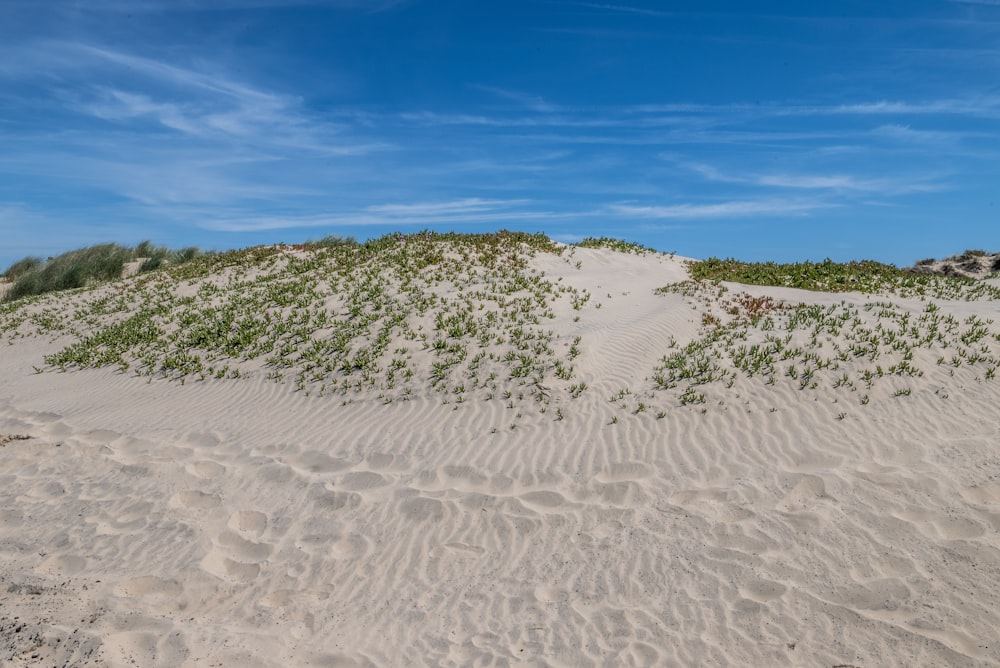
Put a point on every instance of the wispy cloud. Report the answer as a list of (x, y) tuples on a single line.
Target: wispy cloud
[(457, 207), (909, 135), (984, 105), (731, 209), (464, 212), (473, 211), (976, 106), (836, 182), (624, 9), (528, 101), (200, 101)]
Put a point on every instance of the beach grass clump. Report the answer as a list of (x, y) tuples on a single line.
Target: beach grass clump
[(22, 267), (866, 276), (616, 245), (155, 257), (86, 266), (331, 241), (103, 262)]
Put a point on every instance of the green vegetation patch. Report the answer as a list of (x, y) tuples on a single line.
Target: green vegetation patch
[(865, 276), (616, 245), (454, 316), (86, 266), (851, 347)]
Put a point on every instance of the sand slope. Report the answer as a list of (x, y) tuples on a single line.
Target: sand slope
[(240, 522)]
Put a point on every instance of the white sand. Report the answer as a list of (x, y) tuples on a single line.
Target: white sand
[(238, 523)]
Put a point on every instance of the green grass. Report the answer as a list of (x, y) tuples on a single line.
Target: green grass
[(87, 266), (850, 347), (865, 276), (616, 245), (331, 241), (22, 267), (457, 316)]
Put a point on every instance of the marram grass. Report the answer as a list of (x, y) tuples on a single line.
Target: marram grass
[(86, 266)]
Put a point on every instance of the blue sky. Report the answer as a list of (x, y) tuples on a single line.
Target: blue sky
[(760, 130)]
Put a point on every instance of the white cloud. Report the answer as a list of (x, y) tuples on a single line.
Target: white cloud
[(732, 209), (368, 218), (462, 206), (838, 182), (526, 100), (625, 9)]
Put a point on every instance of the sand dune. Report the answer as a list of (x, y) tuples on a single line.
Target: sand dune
[(746, 519)]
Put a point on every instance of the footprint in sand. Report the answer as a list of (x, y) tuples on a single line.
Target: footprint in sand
[(129, 520), (248, 522), (195, 500), (381, 461), (317, 463), (332, 502), (641, 654), (807, 491), (238, 552), (763, 591), (101, 436), (228, 569), (362, 480), (349, 547), (421, 509), (551, 595), (316, 543), (242, 549), (205, 469), (135, 471)]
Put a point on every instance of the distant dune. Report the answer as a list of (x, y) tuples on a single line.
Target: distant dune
[(497, 450), (971, 263)]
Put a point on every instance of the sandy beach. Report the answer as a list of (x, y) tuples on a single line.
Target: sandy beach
[(602, 473)]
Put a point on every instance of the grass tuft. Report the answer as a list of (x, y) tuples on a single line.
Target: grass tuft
[(86, 266), (616, 245)]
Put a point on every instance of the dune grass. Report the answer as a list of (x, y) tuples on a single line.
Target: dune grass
[(22, 267), (865, 276), (615, 244), (86, 266), (456, 316)]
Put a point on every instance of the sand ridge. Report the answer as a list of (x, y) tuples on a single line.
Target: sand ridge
[(238, 521)]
